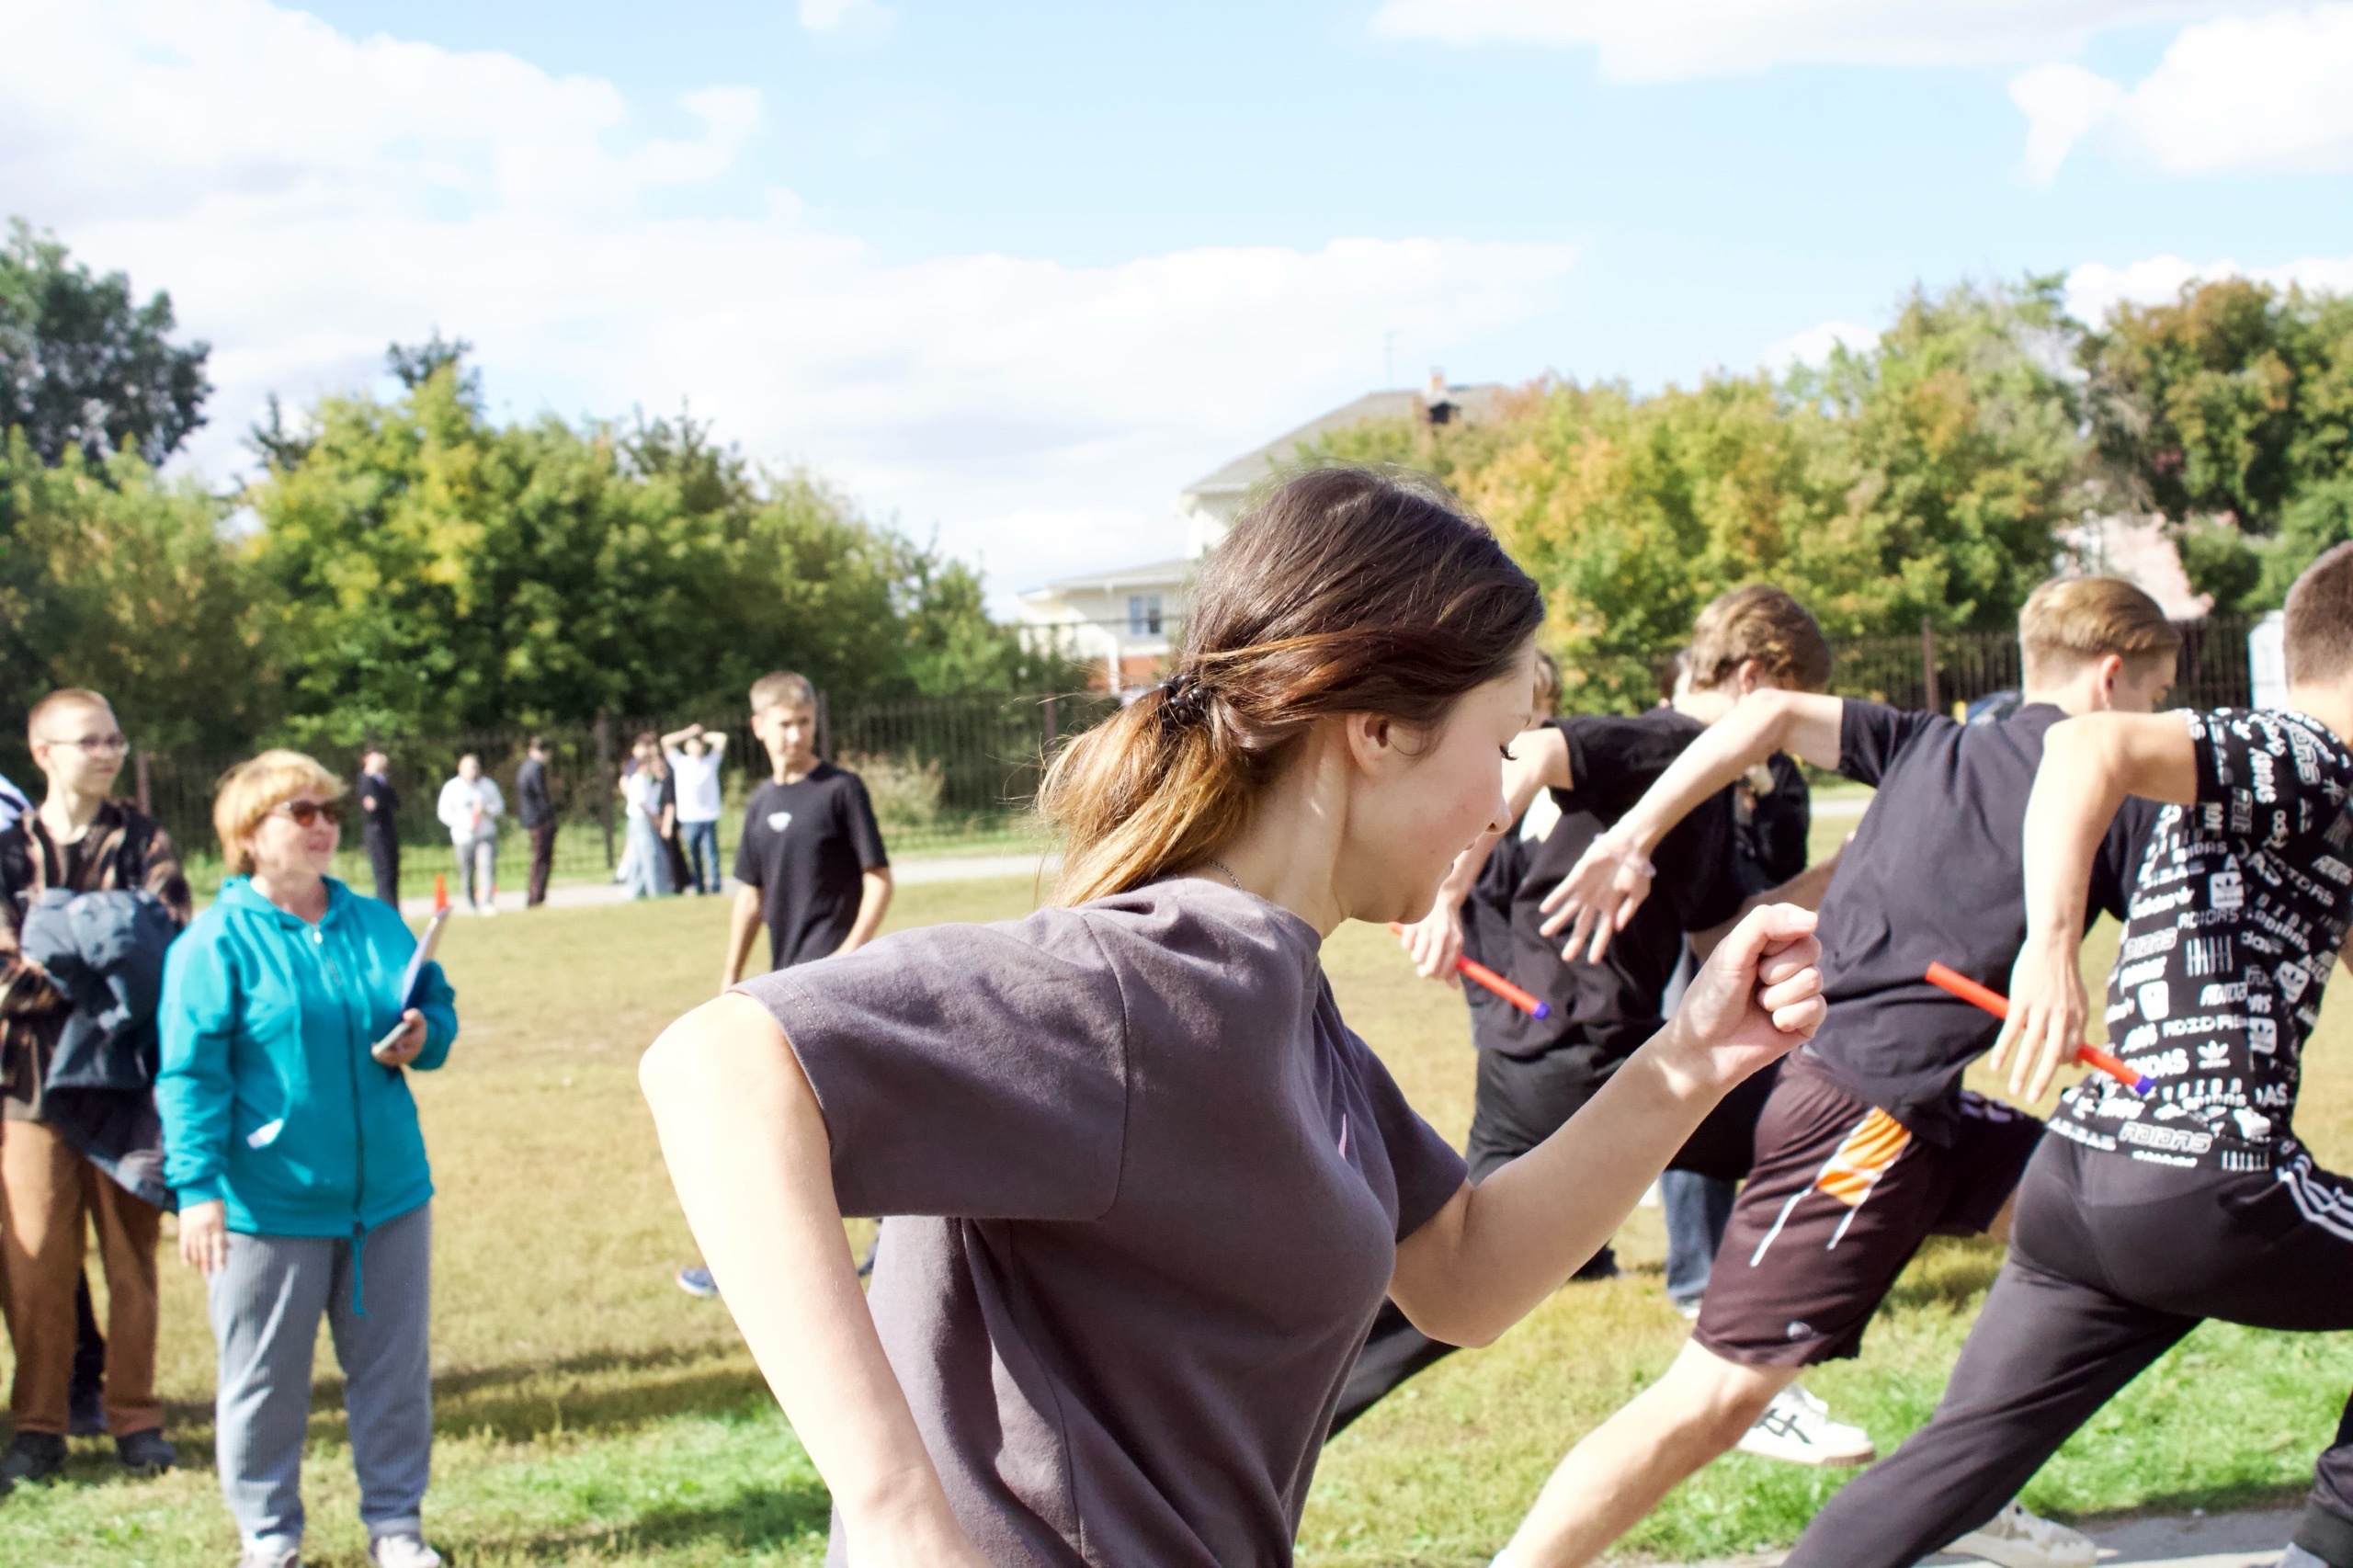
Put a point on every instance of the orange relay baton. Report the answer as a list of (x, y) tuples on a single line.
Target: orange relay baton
[(1534, 1007), (1993, 1002)]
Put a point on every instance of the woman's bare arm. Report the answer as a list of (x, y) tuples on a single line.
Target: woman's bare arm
[(1497, 1249), (749, 1154)]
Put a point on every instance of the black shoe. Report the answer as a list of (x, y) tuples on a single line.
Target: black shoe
[(1603, 1265), (85, 1412), (146, 1453), (34, 1456)]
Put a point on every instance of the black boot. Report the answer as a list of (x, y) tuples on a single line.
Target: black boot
[(34, 1456)]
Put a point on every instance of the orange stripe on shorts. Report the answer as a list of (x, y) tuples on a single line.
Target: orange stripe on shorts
[(1863, 1158)]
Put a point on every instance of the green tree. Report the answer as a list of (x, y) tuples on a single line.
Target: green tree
[(128, 584), (84, 365)]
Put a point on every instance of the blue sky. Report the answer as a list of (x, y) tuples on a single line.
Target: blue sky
[(1017, 271)]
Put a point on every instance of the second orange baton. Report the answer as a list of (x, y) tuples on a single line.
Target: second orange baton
[(1993, 1002)]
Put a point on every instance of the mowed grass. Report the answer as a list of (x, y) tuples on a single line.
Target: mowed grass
[(590, 1413)]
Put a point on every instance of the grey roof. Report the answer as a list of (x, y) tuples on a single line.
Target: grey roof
[(1477, 399), (1156, 573)]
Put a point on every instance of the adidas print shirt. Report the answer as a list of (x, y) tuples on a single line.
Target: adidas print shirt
[(2239, 910)]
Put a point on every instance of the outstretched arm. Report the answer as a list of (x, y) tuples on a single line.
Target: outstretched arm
[(678, 738), (2089, 764), (1597, 897), (1497, 1249), (750, 1155), (1539, 760)]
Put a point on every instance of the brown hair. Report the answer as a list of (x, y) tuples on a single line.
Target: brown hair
[(783, 688), (253, 790), (63, 696), (1548, 685), (2071, 620), (2319, 633), (1342, 591), (1757, 621)]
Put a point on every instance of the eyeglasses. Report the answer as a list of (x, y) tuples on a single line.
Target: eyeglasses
[(306, 812), (92, 743)]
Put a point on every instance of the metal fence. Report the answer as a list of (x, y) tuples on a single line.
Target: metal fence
[(948, 773), (1938, 670)]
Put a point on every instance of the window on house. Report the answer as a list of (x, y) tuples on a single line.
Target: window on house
[(1143, 615)]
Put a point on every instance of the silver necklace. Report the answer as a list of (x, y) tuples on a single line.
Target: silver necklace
[(1226, 871)]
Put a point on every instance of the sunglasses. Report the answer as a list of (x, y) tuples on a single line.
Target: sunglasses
[(306, 812)]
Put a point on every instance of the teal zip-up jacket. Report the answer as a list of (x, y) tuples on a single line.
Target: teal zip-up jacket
[(270, 1101)]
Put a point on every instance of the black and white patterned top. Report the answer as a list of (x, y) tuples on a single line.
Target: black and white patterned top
[(2241, 907)]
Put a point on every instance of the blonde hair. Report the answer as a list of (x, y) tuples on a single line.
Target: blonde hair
[(63, 696), (253, 790), (2070, 621), (1757, 621), (783, 689), (1344, 590), (1548, 685)]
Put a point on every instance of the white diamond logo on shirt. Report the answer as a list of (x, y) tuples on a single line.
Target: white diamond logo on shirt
[(779, 821)]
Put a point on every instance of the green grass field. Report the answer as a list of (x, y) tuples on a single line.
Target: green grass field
[(589, 1412)]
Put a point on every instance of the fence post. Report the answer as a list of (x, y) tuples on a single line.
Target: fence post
[(1928, 665), (138, 760), (605, 781)]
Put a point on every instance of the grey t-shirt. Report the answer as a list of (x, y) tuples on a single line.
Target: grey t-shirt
[(1163, 1185)]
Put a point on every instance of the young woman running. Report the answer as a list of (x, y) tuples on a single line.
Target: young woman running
[(1148, 1189)]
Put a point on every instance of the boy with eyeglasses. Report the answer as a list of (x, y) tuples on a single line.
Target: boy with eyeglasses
[(70, 1156)]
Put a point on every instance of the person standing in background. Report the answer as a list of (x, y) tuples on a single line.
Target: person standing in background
[(380, 806), (535, 808), (646, 864), (470, 807), (695, 755), (52, 1188), (811, 860)]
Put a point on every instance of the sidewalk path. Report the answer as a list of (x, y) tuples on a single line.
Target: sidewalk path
[(906, 873), (2211, 1541)]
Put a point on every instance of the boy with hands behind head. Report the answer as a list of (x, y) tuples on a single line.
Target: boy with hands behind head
[(2147, 1216)]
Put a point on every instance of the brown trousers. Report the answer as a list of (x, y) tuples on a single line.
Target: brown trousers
[(48, 1194)]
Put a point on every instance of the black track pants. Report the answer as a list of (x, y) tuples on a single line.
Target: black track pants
[(2111, 1264)]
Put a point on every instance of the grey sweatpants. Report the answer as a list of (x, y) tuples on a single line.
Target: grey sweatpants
[(266, 1306)]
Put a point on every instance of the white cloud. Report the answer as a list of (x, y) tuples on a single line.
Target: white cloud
[(2270, 93), (2096, 288), (846, 17), (307, 196), (1667, 40), (1813, 345)]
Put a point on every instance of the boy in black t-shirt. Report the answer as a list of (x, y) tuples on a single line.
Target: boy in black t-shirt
[(2147, 1216), (811, 860), (1868, 1145), (1566, 781)]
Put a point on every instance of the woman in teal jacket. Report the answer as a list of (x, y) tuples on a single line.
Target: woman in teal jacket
[(292, 1143)]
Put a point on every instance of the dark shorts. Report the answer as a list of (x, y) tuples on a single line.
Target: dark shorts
[(1840, 1197), (1522, 1100)]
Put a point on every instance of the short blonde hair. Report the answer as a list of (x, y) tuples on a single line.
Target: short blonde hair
[(783, 688), (1548, 685), (1761, 623), (64, 697), (2073, 620), (253, 790)]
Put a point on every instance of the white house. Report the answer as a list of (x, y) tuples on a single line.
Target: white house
[(1125, 622)]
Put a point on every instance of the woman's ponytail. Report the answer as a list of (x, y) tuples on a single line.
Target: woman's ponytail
[(1345, 590)]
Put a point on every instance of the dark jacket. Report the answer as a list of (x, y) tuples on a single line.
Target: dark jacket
[(121, 851), (532, 804), (380, 806)]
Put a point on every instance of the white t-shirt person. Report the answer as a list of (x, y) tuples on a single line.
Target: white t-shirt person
[(471, 808), (697, 782)]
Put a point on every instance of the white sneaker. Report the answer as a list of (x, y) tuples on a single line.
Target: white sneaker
[(1797, 1427), (403, 1552), (2016, 1539), (271, 1555)]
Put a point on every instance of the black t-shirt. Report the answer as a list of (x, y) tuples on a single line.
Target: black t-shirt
[(1771, 830), (1605, 1010), (806, 846), (2238, 912), (380, 804), (1935, 874)]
